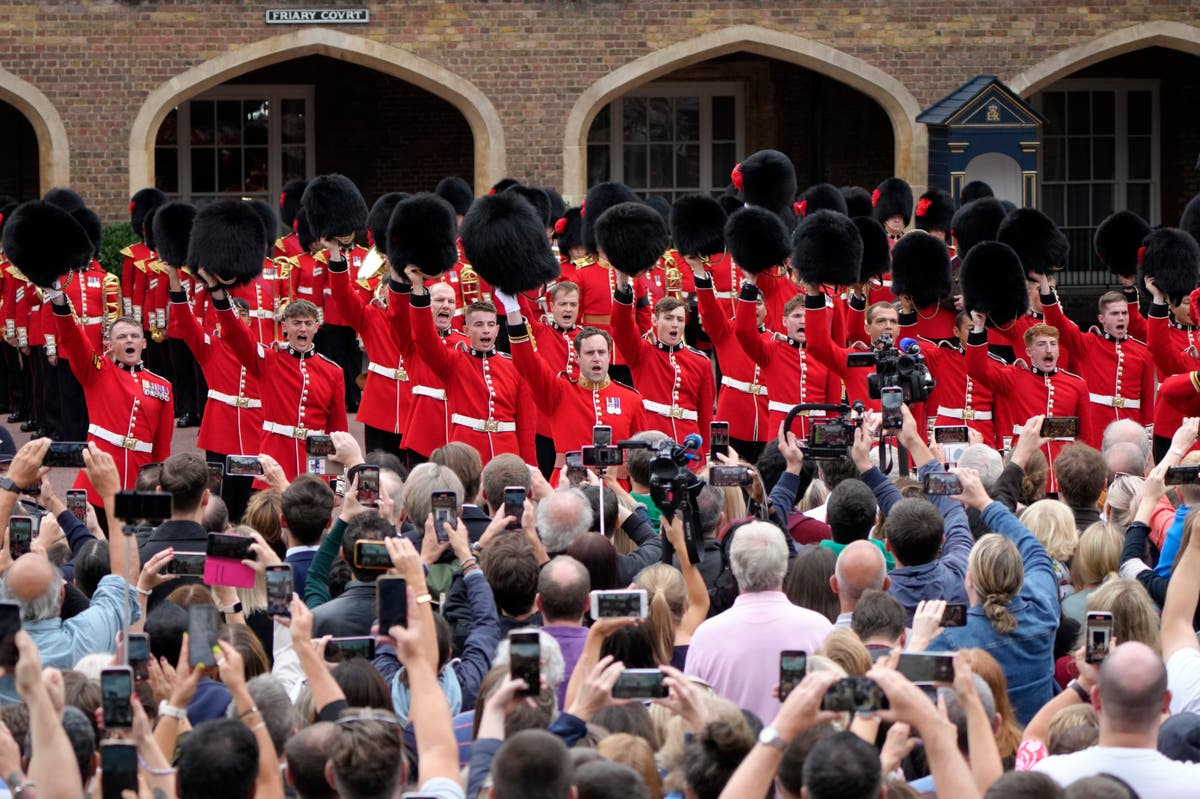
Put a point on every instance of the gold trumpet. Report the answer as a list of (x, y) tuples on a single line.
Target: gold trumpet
[(468, 278)]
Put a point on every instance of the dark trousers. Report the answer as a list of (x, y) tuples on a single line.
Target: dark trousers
[(66, 413), (235, 491), (37, 369), (20, 387), (185, 388), (337, 343), (376, 439), (747, 450), (546, 455)]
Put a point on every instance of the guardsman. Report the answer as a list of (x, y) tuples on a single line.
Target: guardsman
[(136, 254), (88, 295), (958, 399), (554, 340), (921, 278), (289, 204), (878, 319), (16, 356)]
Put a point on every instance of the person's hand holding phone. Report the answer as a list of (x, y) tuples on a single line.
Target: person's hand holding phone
[(1030, 441), (406, 562), (264, 556), (232, 670), (927, 624), (860, 450), (906, 702), (595, 691), (152, 571), (684, 699), (459, 540), (273, 474), (102, 471), (346, 450), (432, 547), (1184, 437), (26, 468), (802, 708), (973, 495), (10, 753), (789, 447), (351, 507), (498, 525)]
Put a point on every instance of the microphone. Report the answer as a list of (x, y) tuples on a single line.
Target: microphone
[(910, 345), (692, 441)]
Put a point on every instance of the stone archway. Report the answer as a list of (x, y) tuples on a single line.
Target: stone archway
[(476, 108), (54, 151), (911, 138)]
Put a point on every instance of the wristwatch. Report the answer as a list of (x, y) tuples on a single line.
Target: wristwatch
[(165, 708), (236, 607), (771, 737), (8, 484)]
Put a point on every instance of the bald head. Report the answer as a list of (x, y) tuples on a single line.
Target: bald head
[(1133, 688), (563, 587), (36, 585), (860, 567)]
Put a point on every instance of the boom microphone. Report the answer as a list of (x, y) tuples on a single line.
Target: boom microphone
[(910, 345)]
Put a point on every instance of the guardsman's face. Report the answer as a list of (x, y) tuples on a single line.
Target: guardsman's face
[(127, 342), (895, 224), (1115, 319), (299, 332), (441, 299), (963, 330), (794, 324), (594, 358), (668, 326), (760, 310), (565, 308), (1043, 352), (482, 328), (885, 320)]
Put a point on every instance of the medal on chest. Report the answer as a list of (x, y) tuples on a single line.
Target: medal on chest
[(152, 389), (612, 406)]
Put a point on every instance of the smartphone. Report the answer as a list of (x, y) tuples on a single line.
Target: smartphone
[(186, 564), (116, 686), (280, 586), (730, 476), (371, 555), (359, 646), (368, 486), (65, 453), (391, 603), (1060, 427), (718, 439), (319, 446), (891, 400), (203, 621), (514, 505), (525, 661), (576, 473), (118, 768), (243, 466), (1099, 635), (956, 434), (954, 616), (77, 503), (639, 684), (20, 535), (137, 648), (1182, 475), (623, 604), (10, 624), (234, 547), (602, 435), (216, 475), (940, 484), (602, 457), (854, 694), (154, 506), (793, 665), (445, 511), (927, 667)]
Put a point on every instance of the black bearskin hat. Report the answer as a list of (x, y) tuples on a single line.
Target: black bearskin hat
[(1117, 241), (568, 231), (767, 179), (505, 241), (698, 225), (993, 282), (335, 207), (1042, 247), (921, 268), (45, 242), (935, 210), (757, 239), (535, 197), (269, 221), (379, 218), (228, 241), (827, 248), (877, 256), (69, 200), (975, 190), (1172, 258), (141, 202), (975, 222), (858, 201), (91, 225), (289, 201), (1189, 222), (457, 192), (632, 236), (822, 196), (172, 230), (148, 229), (599, 199), (423, 231), (892, 197)]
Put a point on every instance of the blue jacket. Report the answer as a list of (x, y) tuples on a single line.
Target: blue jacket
[(938, 579), (1027, 654)]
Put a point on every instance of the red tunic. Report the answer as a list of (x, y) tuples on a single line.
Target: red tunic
[(726, 282), (288, 246), (743, 395), (233, 415), (777, 288), (308, 280), (676, 383), (828, 352), (935, 323), (387, 395), (597, 281), (135, 254), (1170, 343), (576, 405), (333, 313), (488, 408), (304, 393), (154, 305), (468, 286), (85, 296), (556, 346), (16, 304), (1119, 373), (957, 399), (1021, 393), (130, 411)]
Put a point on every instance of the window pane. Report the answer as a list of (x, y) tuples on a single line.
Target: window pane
[(687, 166), (660, 120), (687, 118), (1139, 158), (634, 109), (1079, 159), (256, 122), (1055, 159), (598, 133), (204, 172), (1137, 199), (1139, 109), (724, 117), (1103, 112), (292, 121), (169, 129), (598, 167), (1052, 202), (202, 122), (1104, 158), (1054, 109), (1079, 206), (166, 169), (1102, 201), (254, 165), (1079, 113), (229, 123), (662, 167), (229, 169), (724, 159), (635, 166), (294, 166)]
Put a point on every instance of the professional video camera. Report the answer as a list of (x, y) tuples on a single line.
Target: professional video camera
[(902, 368), (830, 439), (674, 487)]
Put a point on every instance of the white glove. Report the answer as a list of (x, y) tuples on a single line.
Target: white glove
[(507, 302)]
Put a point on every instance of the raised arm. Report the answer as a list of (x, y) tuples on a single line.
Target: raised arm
[(624, 322), (181, 322), (86, 363), (251, 354), (1071, 338), (430, 349), (979, 365), (349, 301), (818, 338)]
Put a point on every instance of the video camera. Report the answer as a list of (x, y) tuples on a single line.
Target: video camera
[(674, 487), (902, 368), (828, 440)]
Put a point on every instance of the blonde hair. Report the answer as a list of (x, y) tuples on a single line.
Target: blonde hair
[(814, 497), (1135, 617), (1120, 498), (670, 754), (1098, 556), (1054, 525), (635, 752), (996, 575), (254, 598), (262, 514), (1081, 718), (666, 595), (734, 506), (844, 648)]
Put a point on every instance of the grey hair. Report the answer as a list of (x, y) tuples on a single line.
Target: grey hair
[(1125, 457), (274, 705), (984, 460), (46, 606), (422, 481), (758, 557), (554, 668), (1129, 431), (562, 517)]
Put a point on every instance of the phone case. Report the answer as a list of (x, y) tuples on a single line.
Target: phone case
[(227, 571)]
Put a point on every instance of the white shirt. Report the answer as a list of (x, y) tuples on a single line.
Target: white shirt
[(1149, 772), (1183, 681)]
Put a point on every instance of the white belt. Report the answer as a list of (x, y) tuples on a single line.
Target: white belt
[(91, 320), (388, 372), (784, 407), (743, 386), (457, 312), (723, 295), (967, 414), (263, 313), (1115, 402), (1018, 429), (291, 431), (483, 425), (670, 411), (304, 289), (426, 391), (118, 440), (232, 401)]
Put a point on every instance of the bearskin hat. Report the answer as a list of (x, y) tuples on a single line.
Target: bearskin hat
[(69, 200), (172, 230), (141, 202), (1172, 258), (506, 243), (1042, 247), (270, 222), (1117, 241), (757, 239), (503, 184), (921, 268), (935, 210), (767, 179), (6, 210), (289, 201), (457, 192), (698, 225), (568, 231), (975, 190), (91, 224), (423, 231), (45, 242), (730, 200), (632, 236), (993, 282), (379, 217), (558, 207), (822, 196), (535, 197), (335, 207), (1189, 222), (877, 256), (148, 229), (858, 201), (827, 248), (600, 198), (892, 197), (302, 230), (975, 222), (228, 241)]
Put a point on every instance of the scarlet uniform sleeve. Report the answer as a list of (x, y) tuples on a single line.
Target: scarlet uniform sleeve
[(982, 368), (854, 323), (76, 348), (1137, 322), (138, 294), (527, 421), (712, 315), (644, 304), (182, 324), (819, 343), (1147, 393), (238, 335), (1158, 340), (744, 325), (1087, 426), (398, 314), (439, 358), (128, 276), (1069, 334), (624, 328), (708, 397), (349, 301), (547, 388), (1182, 392)]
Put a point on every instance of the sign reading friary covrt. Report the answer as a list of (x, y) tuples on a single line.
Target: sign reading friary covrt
[(317, 16)]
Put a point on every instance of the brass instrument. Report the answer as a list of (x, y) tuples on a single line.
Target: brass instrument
[(673, 276), (468, 279), (284, 264), (112, 299)]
